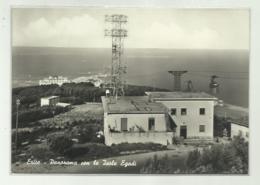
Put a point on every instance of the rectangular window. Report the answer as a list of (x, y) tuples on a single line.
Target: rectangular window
[(123, 124), (183, 111), (173, 111), (151, 124), (202, 111), (202, 128)]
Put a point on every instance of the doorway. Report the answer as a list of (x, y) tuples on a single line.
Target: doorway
[(183, 131), (123, 124)]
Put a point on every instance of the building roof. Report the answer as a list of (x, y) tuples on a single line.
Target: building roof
[(50, 97), (242, 122), (61, 104), (132, 105), (180, 96)]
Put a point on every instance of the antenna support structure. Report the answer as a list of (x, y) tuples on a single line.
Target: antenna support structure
[(118, 67), (177, 79)]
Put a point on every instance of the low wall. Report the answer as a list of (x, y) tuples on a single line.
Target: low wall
[(163, 138)]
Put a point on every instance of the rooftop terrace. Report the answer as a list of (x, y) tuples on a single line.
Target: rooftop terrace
[(180, 96), (131, 105)]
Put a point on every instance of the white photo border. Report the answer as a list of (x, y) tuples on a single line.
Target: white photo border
[(5, 94)]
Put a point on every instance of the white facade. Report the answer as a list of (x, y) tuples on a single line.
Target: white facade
[(135, 120), (192, 120), (156, 134), (59, 80), (241, 130), (50, 101), (192, 112)]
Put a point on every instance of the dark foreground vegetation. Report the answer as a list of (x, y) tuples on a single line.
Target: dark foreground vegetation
[(28, 117), (229, 158), (222, 127), (63, 149), (78, 141)]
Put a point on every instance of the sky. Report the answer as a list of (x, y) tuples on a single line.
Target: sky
[(164, 28)]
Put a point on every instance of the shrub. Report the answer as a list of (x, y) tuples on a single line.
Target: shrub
[(29, 136), (60, 144), (42, 153), (193, 159), (35, 114), (221, 127), (99, 150), (177, 140), (76, 151), (229, 158), (164, 165), (72, 100)]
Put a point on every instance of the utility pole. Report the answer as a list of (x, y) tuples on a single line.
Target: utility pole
[(53, 114), (18, 102), (118, 68)]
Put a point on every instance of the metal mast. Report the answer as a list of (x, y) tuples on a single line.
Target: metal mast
[(18, 102), (214, 86), (177, 79), (118, 67)]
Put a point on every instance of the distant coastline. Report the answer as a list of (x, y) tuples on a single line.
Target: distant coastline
[(146, 67)]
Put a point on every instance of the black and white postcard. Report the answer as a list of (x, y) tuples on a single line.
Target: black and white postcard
[(106, 90)]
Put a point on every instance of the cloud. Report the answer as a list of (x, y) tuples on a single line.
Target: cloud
[(76, 31), (173, 36), (197, 30)]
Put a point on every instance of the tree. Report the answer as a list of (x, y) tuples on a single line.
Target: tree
[(60, 144), (193, 159)]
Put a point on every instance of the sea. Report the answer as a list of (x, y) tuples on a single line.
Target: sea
[(147, 67)]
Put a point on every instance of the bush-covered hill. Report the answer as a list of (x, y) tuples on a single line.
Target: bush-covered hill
[(74, 93)]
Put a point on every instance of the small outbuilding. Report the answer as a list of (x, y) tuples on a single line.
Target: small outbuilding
[(240, 128), (64, 105), (50, 101)]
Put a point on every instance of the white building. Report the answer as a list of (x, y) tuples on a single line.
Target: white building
[(64, 105), (240, 128), (135, 119), (95, 80), (59, 80), (50, 101), (192, 112)]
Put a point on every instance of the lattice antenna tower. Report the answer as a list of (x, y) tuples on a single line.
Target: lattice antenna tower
[(118, 67)]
